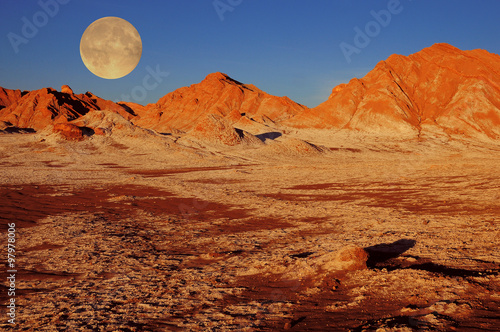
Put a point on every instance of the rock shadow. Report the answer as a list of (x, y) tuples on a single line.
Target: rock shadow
[(381, 253), (452, 271), (240, 132), (79, 107), (383, 256), (17, 130), (270, 135), (87, 131), (127, 109)]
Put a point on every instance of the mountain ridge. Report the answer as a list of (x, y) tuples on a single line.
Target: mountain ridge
[(411, 87), (438, 90), (216, 94)]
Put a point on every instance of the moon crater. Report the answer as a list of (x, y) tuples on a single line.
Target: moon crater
[(111, 47)]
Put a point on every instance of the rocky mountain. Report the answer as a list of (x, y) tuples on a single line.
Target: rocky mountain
[(439, 89), (39, 109), (216, 94)]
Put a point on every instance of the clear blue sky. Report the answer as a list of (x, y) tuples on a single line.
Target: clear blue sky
[(284, 47)]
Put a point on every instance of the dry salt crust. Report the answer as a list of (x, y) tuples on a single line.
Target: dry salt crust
[(426, 212)]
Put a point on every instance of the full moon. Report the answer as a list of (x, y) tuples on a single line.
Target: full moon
[(111, 47)]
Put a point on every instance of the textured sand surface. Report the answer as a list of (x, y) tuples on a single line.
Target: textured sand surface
[(363, 233)]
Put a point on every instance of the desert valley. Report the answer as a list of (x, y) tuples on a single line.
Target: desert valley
[(224, 208)]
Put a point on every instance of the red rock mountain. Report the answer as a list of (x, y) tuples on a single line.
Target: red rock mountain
[(40, 108), (440, 88), (216, 94)]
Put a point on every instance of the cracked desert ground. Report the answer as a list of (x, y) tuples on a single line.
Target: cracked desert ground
[(131, 234)]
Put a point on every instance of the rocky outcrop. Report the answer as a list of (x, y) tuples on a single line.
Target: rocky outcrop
[(106, 122), (346, 259), (218, 130), (42, 108), (69, 131), (9, 97), (66, 89), (439, 88)]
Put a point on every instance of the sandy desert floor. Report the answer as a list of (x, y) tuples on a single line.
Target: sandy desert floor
[(125, 235)]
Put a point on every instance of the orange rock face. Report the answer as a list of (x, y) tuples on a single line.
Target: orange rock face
[(346, 259), (41, 108), (216, 94), (69, 131), (8, 97), (103, 104), (66, 89), (440, 87)]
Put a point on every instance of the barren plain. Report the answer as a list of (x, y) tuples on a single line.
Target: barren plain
[(141, 234)]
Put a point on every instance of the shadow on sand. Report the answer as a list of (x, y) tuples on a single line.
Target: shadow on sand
[(381, 253), (385, 256)]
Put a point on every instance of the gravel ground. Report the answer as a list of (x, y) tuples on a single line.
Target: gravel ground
[(128, 234)]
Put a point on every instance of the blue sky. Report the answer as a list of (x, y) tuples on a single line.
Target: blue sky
[(284, 47)]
